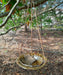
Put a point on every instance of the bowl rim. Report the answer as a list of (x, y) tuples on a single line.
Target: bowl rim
[(25, 66)]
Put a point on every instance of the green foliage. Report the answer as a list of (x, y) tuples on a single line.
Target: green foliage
[(1, 20), (18, 17), (48, 20), (4, 2)]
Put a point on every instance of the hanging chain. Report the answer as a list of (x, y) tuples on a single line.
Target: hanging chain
[(31, 24), (40, 36), (32, 3), (39, 31)]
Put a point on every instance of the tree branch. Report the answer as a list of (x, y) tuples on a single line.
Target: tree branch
[(35, 5), (24, 7), (49, 9), (11, 29), (11, 11), (58, 4)]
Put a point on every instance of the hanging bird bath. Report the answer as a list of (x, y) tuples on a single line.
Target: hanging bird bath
[(31, 61)]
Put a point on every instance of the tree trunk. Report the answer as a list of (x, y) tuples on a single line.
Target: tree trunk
[(25, 27)]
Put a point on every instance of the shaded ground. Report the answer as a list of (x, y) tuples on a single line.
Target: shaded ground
[(53, 48)]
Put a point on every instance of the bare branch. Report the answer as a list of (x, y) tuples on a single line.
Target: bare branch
[(11, 29), (11, 11), (35, 5), (49, 9), (58, 4)]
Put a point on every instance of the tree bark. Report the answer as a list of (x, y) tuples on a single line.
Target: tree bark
[(25, 27)]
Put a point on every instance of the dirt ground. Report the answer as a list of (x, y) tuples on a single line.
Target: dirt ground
[(10, 46)]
